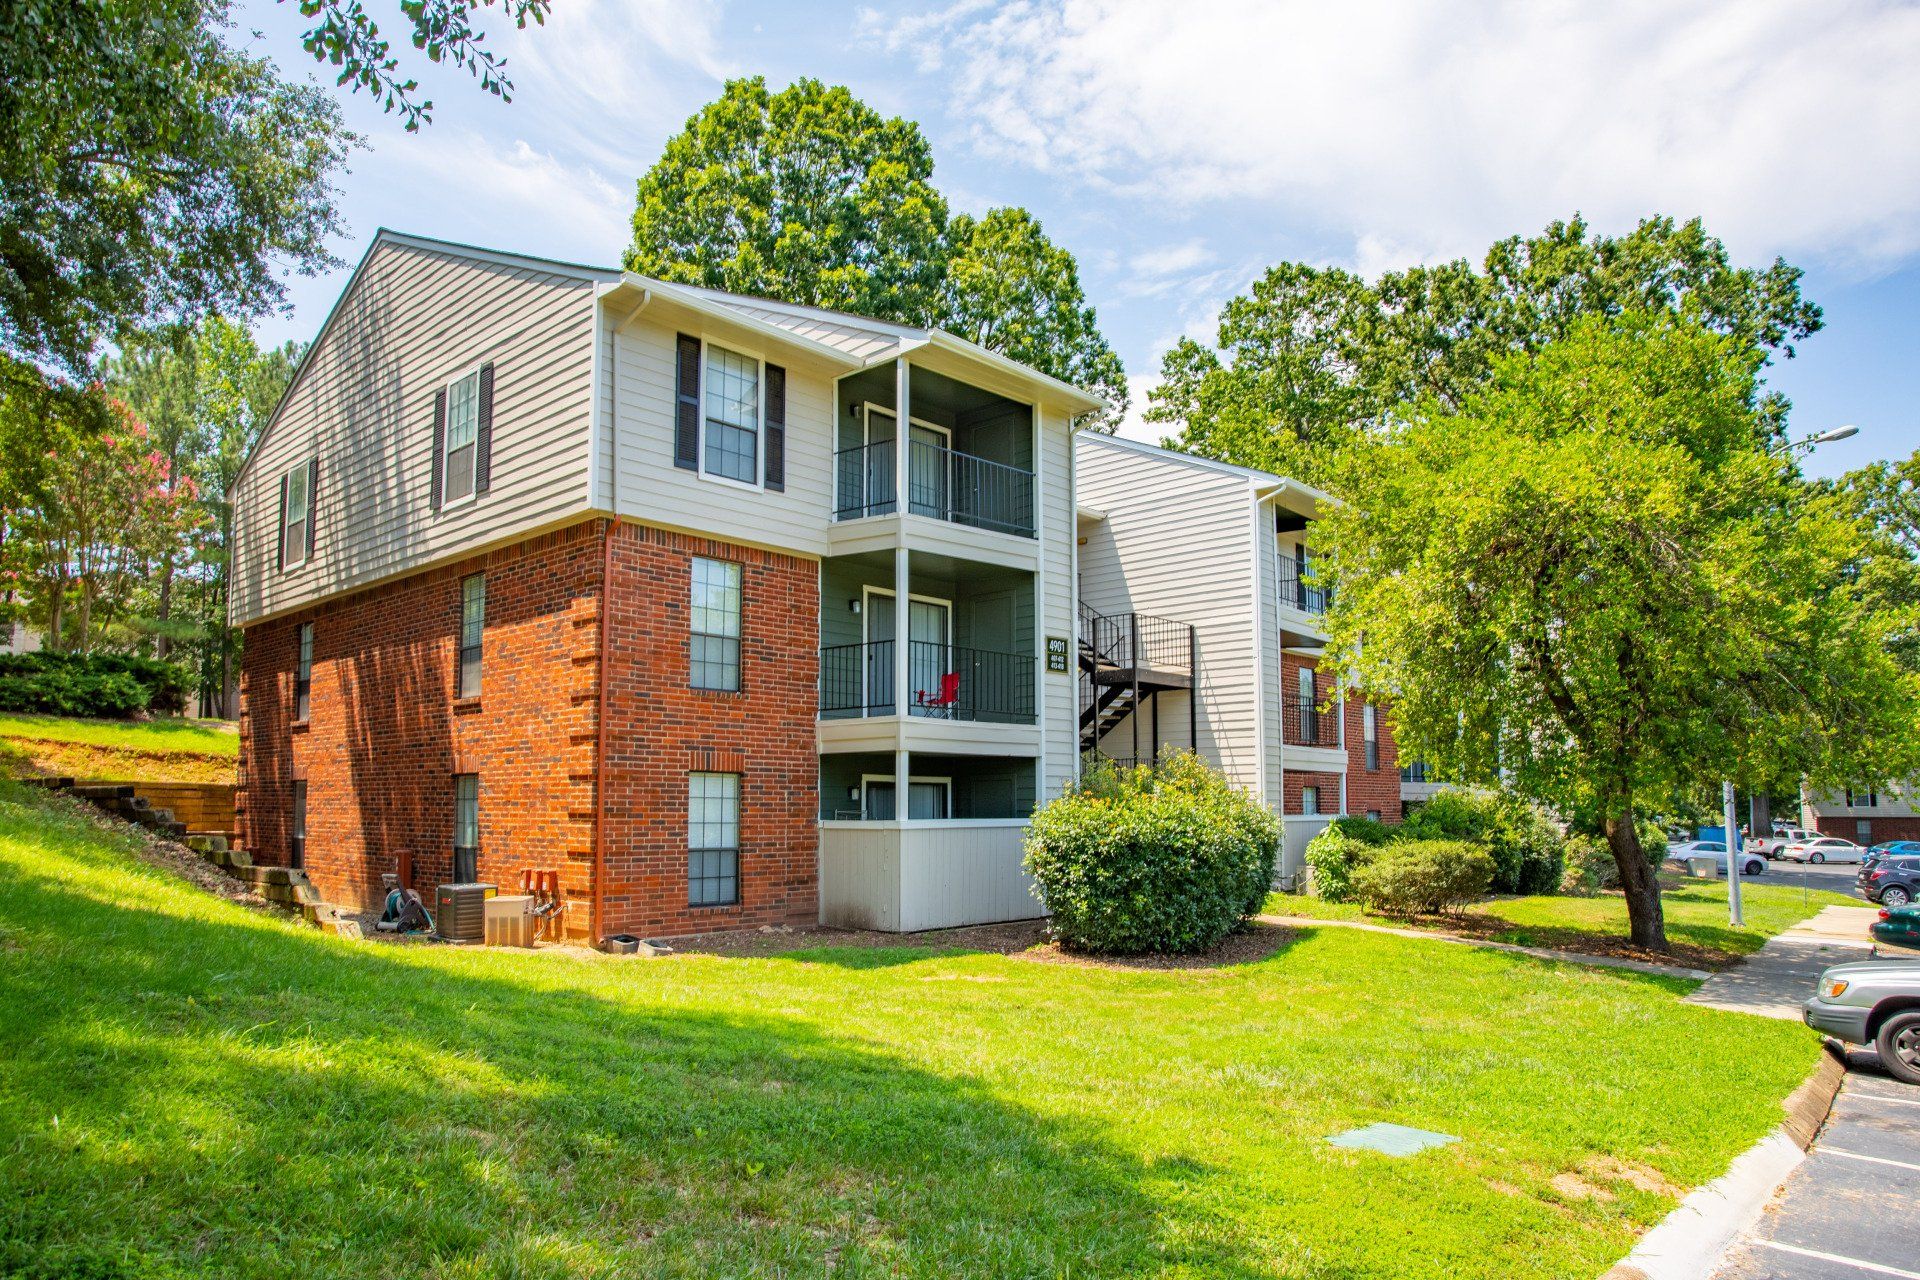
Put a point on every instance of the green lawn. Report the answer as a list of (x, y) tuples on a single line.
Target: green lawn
[(1696, 915), (191, 1089), (168, 734)]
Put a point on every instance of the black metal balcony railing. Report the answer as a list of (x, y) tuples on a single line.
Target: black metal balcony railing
[(1297, 589), (1307, 725), (942, 483), (1138, 640), (944, 682)]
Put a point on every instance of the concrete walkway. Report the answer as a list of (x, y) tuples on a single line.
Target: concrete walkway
[(1538, 953), (1774, 980), (1846, 1213)]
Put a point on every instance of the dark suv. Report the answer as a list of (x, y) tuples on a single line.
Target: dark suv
[(1893, 881)]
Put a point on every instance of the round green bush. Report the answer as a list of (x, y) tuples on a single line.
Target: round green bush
[(1334, 855), (1165, 861), (1415, 877)]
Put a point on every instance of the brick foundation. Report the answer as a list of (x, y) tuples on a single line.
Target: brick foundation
[(385, 733)]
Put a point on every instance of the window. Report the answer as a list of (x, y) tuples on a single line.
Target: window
[(733, 416), (1373, 815), (297, 840), (713, 839), (466, 828), (1370, 734), (473, 624), (303, 676), (463, 438), (297, 515), (1862, 799), (713, 647), (1309, 799), (1309, 711)]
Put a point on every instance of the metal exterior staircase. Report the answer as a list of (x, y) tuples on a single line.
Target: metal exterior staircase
[(1126, 660)]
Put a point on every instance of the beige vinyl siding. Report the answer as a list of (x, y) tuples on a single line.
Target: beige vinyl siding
[(1176, 542), (413, 319), (652, 489), (1060, 693), (1271, 726)]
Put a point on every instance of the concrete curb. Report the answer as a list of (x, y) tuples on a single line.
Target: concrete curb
[(1690, 1242)]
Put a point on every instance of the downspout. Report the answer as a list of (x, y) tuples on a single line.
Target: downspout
[(596, 919)]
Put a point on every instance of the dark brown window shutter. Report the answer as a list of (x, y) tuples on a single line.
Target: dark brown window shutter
[(483, 455), (776, 431), (313, 502), (439, 445), (280, 528), (686, 418)]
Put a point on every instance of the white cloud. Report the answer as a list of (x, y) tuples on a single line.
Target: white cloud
[(1418, 131), (507, 194)]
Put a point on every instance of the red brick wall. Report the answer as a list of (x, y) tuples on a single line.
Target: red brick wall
[(660, 730), (385, 733), (1298, 779), (1371, 789), (1848, 827)]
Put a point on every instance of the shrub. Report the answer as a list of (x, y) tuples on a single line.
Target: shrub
[(104, 685), (1525, 845), (1366, 830), (1430, 876), (1334, 855), (1168, 860), (1590, 868)]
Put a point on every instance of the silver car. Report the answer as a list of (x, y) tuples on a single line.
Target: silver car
[(1751, 864), (1874, 1002)]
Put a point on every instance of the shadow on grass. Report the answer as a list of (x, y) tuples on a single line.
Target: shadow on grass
[(192, 1090)]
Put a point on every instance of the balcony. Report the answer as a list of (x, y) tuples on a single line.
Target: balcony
[(1296, 588), (944, 682), (942, 484), (1307, 725)]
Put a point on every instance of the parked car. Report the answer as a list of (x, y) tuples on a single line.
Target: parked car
[(1897, 927), (1891, 882), (1874, 1002), (1769, 846), (1888, 848), (1751, 864), (1820, 849)]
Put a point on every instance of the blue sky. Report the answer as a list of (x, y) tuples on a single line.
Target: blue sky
[(1180, 149)]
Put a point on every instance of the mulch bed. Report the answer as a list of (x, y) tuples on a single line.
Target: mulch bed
[(1473, 924)]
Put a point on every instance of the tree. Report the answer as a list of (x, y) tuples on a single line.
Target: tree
[(1591, 579), (1885, 496), (1313, 359), (810, 196), (1012, 290), (348, 38), (151, 173), (807, 195)]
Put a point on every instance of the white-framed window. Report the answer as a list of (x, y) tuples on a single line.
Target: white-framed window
[(463, 439), (713, 642), (1862, 799), (1310, 799), (730, 434), (473, 626), (713, 839), (296, 529), (1370, 734), (1309, 696), (297, 835), (303, 676), (466, 828)]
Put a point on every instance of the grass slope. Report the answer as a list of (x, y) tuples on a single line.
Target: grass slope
[(1696, 915), (162, 750), (188, 1088)]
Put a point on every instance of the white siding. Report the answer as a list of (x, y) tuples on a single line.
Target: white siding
[(1177, 542), (412, 319), (653, 490), (1060, 696), (904, 877)]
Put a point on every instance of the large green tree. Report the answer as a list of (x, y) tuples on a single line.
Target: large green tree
[(1885, 497), (1590, 578), (150, 173), (1312, 357), (810, 196)]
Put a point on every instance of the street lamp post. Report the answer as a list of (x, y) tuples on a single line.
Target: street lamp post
[(1736, 847)]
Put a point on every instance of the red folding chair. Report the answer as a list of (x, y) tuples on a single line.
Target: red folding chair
[(948, 699)]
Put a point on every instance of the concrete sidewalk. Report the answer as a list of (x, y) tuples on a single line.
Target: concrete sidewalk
[(1774, 981)]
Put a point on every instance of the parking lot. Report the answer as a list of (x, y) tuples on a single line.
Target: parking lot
[(1837, 877)]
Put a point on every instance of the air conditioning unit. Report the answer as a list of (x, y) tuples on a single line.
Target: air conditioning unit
[(510, 920), (460, 911)]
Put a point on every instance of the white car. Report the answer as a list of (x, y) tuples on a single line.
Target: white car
[(1781, 837), (1818, 849), (1751, 863)]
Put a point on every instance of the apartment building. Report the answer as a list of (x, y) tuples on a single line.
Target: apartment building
[(1201, 627), (1863, 815), (731, 612)]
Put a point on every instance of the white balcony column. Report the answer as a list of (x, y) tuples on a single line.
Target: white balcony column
[(902, 448), (902, 595)]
